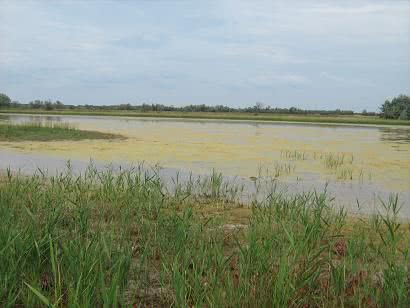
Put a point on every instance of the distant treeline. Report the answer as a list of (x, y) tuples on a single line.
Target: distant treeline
[(218, 108), (257, 108), (399, 107)]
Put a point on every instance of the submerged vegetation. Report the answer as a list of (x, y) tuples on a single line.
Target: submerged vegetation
[(123, 238), (48, 131)]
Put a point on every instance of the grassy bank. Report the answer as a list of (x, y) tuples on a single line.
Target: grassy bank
[(40, 131), (123, 239), (355, 119)]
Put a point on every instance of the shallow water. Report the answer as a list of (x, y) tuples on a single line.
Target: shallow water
[(375, 159)]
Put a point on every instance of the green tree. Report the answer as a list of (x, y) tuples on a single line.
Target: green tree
[(49, 105), (4, 100), (59, 105), (399, 107), (404, 115)]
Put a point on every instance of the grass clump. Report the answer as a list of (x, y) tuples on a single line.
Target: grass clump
[(294, 154), (122, 238), (48, 131)]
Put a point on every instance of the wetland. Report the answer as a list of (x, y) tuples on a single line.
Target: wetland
[(367, 161), (187, 212)]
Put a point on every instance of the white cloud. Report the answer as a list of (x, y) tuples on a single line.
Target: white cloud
[(351, 80), (351, 20), (352, 9), (271, 79), (234, 49)]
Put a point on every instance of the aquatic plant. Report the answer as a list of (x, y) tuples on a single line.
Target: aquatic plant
[(334, 160), (294, 154), (280, 169), (345, 173)]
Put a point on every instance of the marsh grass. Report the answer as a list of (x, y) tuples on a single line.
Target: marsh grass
[(273, 171), (330, 160), (280, 169), (345, 173), (48, 131), (108, 238), (342, 165), (294, 154), (336, 160)]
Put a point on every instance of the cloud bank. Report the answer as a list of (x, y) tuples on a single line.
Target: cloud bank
[(310, 54)]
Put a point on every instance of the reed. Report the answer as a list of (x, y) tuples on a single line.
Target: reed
[(122, 238), (294, 154)]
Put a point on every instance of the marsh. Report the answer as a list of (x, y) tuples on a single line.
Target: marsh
[(355, 162)]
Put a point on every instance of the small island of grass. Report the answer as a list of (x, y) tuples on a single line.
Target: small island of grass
[(39, 131)]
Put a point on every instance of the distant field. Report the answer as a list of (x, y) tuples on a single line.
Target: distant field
[(354, 119)]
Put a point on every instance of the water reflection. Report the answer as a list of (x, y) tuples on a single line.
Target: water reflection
[(395, 135), (21, 119), (238, 147)]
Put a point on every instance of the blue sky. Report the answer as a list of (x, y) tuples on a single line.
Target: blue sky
[(309, 54)]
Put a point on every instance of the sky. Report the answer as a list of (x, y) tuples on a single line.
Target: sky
[(309, 54)]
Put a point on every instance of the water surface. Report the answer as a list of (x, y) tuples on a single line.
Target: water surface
[(376, 159)]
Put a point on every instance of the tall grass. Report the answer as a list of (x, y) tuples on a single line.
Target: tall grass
[(121, 238)]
